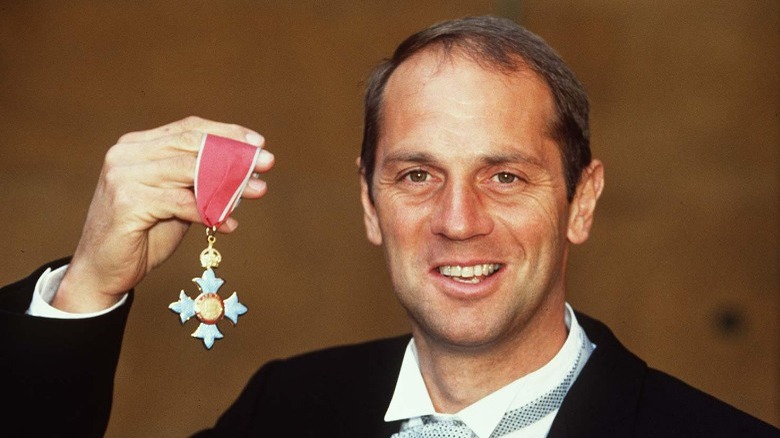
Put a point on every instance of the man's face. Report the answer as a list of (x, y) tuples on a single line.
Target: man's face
[(470, 201)]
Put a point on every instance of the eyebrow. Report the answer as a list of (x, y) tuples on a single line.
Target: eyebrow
[(409, 157), (514, 157), (492, 159)]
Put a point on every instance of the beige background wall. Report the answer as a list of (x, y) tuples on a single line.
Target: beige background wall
[(683, 263)]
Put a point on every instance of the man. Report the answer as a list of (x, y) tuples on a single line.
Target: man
[(476, 175)]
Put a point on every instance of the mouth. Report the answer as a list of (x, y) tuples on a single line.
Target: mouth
[(471, 274)]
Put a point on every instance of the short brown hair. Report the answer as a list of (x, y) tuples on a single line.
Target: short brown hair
[(504, 45)]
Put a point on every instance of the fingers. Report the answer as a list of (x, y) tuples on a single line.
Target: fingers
[(180, 204), (178, 170), (255, 189), (193, 123), (166, 204), (157, 148), (185, 142), (166, 156), (162, 188), (141, 206), (149, 175), (264, 162), (229, 226)]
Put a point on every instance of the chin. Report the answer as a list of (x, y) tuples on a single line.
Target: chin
[(463, 335)]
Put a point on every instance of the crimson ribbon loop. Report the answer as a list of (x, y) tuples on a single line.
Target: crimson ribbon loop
[(223, 169)]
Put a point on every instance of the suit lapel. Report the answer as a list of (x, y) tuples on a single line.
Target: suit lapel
[(603, 400), (362, 402), (607, 390)]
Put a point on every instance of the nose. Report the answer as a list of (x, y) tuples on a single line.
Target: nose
[(460, 213)]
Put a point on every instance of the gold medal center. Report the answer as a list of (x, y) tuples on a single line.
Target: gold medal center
[(209, 308)]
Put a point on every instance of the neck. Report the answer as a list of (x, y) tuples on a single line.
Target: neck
[(456, 377)]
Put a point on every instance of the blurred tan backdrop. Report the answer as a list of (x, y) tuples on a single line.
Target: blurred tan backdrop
[(683, 263)]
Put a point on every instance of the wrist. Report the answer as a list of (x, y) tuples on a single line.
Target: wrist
[(80, 292)]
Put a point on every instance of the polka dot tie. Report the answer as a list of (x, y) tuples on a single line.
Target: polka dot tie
[(431, 427), (544, 405)]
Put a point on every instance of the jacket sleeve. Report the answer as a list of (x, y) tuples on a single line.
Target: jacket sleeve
[(58, 374)]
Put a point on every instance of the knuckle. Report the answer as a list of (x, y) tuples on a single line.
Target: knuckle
[(190, 137), (191, 122), (113, 176), (114, 156)]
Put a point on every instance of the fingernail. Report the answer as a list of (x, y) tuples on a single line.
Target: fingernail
[(254, 138), (265, 158), (256, 184)]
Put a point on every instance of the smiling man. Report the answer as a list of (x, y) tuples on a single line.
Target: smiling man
[(469, 199), (476, 176)]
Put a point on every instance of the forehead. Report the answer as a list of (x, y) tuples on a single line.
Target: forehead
[(451, 97)]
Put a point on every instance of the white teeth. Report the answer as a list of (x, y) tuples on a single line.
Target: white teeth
[(469, 271)]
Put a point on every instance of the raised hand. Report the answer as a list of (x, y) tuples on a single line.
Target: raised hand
[(141, 209)]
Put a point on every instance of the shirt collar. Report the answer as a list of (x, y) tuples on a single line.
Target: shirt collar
[(411, 399)]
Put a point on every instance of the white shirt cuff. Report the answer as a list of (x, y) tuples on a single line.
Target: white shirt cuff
[(46, 289)]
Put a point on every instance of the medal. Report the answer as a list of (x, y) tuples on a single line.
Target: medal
[(223, 169)]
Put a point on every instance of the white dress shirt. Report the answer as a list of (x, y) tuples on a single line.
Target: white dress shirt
[(411, 400), (46, 288)]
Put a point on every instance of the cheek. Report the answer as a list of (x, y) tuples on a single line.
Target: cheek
[(532, 223), (403, 232), (399, 220)]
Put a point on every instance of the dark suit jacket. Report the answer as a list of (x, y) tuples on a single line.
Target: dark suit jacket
[(60, 377)]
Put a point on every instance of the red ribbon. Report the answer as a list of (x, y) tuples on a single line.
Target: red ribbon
[(223, 169)]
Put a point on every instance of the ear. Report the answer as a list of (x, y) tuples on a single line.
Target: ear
[(370, 219), (583, 205)]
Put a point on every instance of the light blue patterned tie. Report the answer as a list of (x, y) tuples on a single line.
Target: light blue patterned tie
[(512, 420), (534, 411), (436, 428)]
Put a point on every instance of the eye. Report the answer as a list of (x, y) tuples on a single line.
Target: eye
[(505, 177), (417, 176)]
